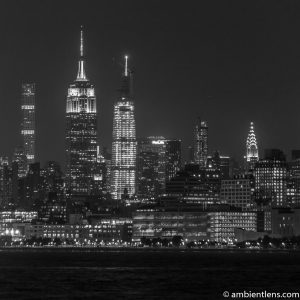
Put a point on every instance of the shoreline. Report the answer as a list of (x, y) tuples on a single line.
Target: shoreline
[(139, 249)]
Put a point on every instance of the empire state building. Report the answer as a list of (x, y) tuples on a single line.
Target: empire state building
[(81, 131)]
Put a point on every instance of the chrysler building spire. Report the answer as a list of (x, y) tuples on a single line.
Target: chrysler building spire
[(81, 71), (251, 148)]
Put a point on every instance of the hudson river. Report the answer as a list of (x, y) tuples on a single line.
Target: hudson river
[(144, 274)]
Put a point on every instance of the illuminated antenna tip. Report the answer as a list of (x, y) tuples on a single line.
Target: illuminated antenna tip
[(126, 65), (81, 40)]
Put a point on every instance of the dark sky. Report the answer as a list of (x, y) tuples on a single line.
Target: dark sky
[(230, 62)]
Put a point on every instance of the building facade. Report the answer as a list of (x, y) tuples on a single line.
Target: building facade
[(238, 192), (192, 225), (123, 164)]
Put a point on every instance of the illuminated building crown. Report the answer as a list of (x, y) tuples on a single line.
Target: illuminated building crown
[(251, 144)]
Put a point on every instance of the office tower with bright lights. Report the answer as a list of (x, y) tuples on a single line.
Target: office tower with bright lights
[(81, 131), (173, 158), (123, 164), (270, 176), (251, 149), (201, 143), (151, 166), (28, 121)]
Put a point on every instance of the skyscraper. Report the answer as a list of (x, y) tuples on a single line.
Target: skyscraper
[(151, 166), (28, 121), (123, 165), (81, 131), (201, 143), (251, 149)]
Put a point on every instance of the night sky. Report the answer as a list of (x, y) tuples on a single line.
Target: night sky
[(230, 62)]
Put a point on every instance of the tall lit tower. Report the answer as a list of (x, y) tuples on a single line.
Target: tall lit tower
[(123, 165), (201, 143), (81, 131), (28, 121), (251, 148)]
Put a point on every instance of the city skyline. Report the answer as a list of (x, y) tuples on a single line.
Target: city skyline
[(149, 149), (157, 89)]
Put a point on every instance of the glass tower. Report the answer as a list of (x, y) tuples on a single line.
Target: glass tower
[(123, 164), (81, 132), (28, 121)]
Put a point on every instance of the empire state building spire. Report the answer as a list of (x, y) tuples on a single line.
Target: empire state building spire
[(81, 71)]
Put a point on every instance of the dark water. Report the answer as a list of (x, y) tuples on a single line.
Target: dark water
[(144, 274)]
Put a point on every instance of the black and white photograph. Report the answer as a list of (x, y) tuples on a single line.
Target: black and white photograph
[(149, 149)]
